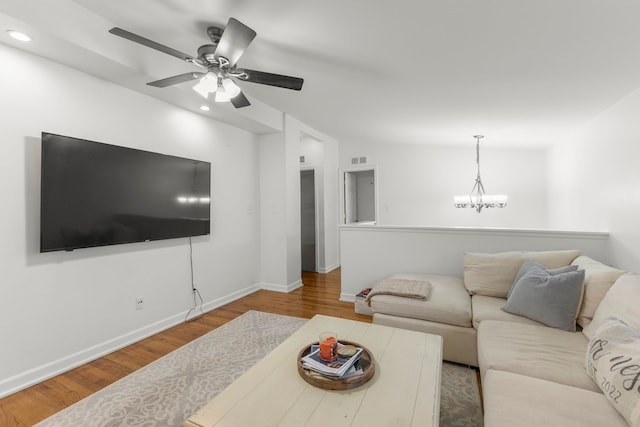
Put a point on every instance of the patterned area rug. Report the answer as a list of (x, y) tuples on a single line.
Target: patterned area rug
[(169, 390), (459, 397)]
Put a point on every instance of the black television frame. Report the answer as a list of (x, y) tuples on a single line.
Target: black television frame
[(148, 217)]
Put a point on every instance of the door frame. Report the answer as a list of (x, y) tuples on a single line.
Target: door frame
[(341, 183)]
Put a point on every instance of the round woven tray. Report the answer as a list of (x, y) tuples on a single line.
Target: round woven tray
[(366, 361)]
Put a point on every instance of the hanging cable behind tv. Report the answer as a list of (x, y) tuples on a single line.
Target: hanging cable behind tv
[(197, 298)]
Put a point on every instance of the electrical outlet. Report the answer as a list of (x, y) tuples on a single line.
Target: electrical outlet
[(139, 303)]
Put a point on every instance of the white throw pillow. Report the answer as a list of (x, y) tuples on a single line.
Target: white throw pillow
[(613, 362), (620, 302)]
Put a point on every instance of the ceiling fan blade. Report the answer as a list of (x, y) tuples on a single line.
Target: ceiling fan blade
[(150, 43), (260, 77), (240, 101), (180, 78), (234, 41)]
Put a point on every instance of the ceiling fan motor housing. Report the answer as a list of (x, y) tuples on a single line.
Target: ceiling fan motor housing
[(207, 52), (215, 33)]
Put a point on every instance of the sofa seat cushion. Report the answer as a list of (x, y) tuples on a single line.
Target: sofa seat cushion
[(518, 400), (539, 351), (459, 344), (489, 308), (448, 301)]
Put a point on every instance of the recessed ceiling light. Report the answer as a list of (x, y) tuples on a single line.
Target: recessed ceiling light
[(19, 36), (205, 108)]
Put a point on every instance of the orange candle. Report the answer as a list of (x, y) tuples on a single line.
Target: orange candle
[(328, 347)]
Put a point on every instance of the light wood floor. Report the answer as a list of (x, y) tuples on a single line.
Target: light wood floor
[(319, 295)]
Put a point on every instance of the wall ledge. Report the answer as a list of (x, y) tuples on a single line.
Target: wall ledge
[(476, 230)]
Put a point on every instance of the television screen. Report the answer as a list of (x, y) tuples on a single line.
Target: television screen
[(95, 194)]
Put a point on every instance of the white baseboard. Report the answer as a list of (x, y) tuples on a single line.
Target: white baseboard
[(347, 297), (41, 373), (281, 288), (211, 305), (329, 269)]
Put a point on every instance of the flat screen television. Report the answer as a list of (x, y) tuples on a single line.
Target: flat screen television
[(96, 194)]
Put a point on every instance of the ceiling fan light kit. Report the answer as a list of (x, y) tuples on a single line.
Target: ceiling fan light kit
[(206, 85), (224, 89), (219, 60), (230, 88), (478, 199)]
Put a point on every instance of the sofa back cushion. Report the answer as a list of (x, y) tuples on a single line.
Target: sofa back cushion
[(493, 274), (598, 279), (620, 302)]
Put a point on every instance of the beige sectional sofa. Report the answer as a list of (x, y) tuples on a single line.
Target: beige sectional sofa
[(534, 374)]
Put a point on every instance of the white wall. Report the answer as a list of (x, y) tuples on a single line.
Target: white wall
[(313, 152), (416, 184), (595, 180), (60, 309), (273, 241)]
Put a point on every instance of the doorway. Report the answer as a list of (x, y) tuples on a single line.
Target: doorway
[(359, 196), (308, 220)]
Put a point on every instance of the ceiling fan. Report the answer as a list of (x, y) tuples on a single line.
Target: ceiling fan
[(218, 61)]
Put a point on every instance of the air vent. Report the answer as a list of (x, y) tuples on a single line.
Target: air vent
[(363, 160), (354, 160), (301, 159)]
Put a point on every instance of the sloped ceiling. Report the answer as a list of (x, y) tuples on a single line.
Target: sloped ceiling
[(523, 73)]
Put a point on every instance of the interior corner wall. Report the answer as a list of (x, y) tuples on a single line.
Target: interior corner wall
[(273, 202), (416, 183), (313, 152), (61, 309), (331, 204), (321, 152), (594, 180), (292, 136)]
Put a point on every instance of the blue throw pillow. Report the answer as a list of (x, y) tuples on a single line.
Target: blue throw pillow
[(553, 300), (528, 264)]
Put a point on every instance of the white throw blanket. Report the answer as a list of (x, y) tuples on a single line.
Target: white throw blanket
[(417, 289)]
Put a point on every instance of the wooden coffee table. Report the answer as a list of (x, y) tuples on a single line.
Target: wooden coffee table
[(405, 390)]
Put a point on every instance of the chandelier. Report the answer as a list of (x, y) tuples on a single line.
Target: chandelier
[(478, 199)]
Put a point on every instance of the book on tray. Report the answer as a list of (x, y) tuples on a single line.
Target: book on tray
[(340, 368)]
